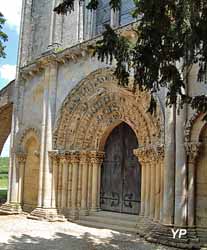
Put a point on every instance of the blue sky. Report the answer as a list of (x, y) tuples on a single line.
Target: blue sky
[(11, 10)]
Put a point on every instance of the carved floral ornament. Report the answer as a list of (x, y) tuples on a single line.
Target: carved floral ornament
[(192, 150), (98, 103), (150, 153), (73, 156)]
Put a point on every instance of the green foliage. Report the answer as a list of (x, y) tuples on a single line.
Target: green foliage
[(4, 165), (172, 37), (67, 6), (3, 36), (3, 195)]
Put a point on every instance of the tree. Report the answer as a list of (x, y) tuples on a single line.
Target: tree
[(171, 38), (3, 36)]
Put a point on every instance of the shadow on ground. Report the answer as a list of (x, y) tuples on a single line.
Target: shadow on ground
[(86, 241)]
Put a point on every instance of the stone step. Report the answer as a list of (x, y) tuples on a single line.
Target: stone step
[(115, 216), (106, 226), (109, 220)]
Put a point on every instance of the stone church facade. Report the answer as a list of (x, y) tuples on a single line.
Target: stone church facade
[(81, 143)]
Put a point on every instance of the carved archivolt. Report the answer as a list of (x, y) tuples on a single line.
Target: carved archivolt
[(98, 104), (194, 128)]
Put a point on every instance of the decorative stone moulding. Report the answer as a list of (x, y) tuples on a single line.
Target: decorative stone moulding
[(95, 106), (72, 54)]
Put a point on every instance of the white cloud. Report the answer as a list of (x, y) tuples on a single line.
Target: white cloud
[(8, 72), (11, 9)]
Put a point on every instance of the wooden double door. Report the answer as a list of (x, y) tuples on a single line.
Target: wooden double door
[(120, 172)]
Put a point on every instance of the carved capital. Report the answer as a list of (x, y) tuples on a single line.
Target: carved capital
[(140, 153), (53, 154), (74, 157), (21, 157), (96, 157), (84, 157), (160, 150), (145, 154), (192, 150)]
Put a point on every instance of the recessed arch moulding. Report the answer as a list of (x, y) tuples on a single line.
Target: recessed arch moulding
[(98, 104), (87, 117)]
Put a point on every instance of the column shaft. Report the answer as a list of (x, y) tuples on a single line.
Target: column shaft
[(79, 186), (21, 180), (169, 167), (181, 171), (152, 188), (157, 191), (99, 187), (90, 168), (74, 189), (59, 195), (84, 188), (69, 185), (191, 194), (54, 182), (94, 186), (192, 150), (64, 184), (143, 189), (148, 188)]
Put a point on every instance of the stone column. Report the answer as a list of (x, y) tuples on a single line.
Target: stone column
[(169, 167), (21, 158), (90, 169), (45, 209), (75, 165), (84, 164), (81, 21), (159, 181), (96, 163), (141, 155), (114, 21), (70, 166), (101, 157), (180, 171), (148, 184), (43, 142), (59, 186), (192, 150), (55, 165), (64, 182), (152, 163)]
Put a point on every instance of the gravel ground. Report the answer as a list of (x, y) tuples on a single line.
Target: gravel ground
[(19, 233)]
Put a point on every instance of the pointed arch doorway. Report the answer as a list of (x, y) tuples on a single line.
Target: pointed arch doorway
[(120, 172)]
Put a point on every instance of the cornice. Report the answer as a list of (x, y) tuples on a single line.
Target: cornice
[(66, 55)]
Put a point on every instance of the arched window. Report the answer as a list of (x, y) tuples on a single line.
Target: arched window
[(127, 7), (103, 14)]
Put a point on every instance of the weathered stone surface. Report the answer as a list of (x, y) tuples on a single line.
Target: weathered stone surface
[(66, 105), (6, 105)]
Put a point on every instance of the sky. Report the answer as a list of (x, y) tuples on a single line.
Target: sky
[(11, 9)]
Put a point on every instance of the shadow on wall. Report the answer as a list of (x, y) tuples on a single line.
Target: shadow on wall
[(86, 241)]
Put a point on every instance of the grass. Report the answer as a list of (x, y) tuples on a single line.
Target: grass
[(4, 165)]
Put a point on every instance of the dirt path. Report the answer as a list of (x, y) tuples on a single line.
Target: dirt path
[(19, 233)]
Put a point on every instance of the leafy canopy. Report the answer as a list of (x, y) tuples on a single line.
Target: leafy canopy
[(3, 36), (171, 38)]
